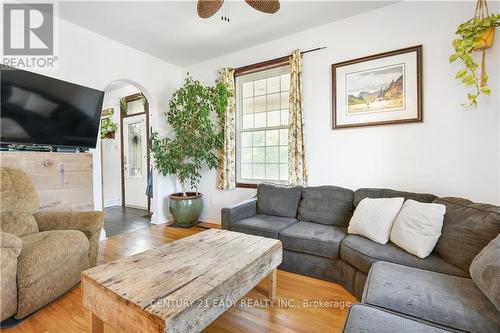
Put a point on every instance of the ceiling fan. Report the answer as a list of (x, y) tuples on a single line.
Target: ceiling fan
[(207, 8)]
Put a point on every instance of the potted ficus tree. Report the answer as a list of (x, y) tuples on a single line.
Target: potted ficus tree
[(196, 115), (477, 34)]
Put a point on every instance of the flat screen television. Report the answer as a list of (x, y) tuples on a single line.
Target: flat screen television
[(39, 110)]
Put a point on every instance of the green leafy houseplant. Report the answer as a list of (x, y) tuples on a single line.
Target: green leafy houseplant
[(475, 34), (123, 106), (196, 115), (108, 128)]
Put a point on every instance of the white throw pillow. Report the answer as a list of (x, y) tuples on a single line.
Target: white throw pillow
[(418, 227), (373, 218)]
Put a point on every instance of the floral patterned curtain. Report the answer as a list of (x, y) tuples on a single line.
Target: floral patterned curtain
[(297, 170), (226, 173)]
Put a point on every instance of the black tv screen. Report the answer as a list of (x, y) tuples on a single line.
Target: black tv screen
[(39, 110)]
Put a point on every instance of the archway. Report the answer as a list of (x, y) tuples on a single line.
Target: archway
[(126, 175)]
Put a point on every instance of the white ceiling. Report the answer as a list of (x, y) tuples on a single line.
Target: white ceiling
[(171, 30)]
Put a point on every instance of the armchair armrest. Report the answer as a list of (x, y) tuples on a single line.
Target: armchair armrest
[(87, 222), (10, 249), (10, 242), (90, 223), (237, 212)]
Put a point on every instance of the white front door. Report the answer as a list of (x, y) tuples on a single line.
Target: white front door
[(135, 161)]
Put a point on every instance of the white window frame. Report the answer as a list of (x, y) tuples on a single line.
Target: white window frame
[(239, 81)]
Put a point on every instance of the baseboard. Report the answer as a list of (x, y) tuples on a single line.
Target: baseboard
[(156, 219), (112, 202)]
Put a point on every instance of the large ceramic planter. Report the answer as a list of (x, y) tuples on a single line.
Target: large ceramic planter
[(186, 210)]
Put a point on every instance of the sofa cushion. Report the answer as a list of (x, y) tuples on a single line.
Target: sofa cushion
[(361, 253), (367, 319), (468, 227), (485, 271), (326, 204), (263, 225), (278, 200), (441, 299), (313, 238), (49, 265), (388, 193)]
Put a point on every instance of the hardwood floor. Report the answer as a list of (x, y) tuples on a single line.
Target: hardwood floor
[(291, 311)]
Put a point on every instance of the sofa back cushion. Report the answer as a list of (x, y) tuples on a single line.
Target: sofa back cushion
[(330, 205), (278, 200), (18, 202), (375, 193), (468, 227), (485, 271)]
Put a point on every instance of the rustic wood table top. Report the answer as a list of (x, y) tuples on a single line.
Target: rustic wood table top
[(181, 286)]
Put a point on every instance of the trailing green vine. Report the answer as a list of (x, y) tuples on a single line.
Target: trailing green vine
[(470, 39)]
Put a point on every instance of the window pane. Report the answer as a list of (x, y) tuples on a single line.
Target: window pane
[(248, 121), (272, 171), (260, 104), (273, 118), (272, 155), (283, 171), (248, 105), (260, 119), (135, 150), (259, 138), (263, 108), (285, 82), (283, 137), (272, 138), (284, 117), (285, 100), (273, 102), (246, 171), (246, 155), (273, 84), (259, 155), (247, 89), (283, 154), (246, 139), (135, 106), (260, 87), (259, 171)]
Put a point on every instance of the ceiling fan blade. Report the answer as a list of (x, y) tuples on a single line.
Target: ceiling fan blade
[(207, 8), (265, 6)]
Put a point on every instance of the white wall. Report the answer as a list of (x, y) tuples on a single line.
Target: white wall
[(111, 149), (95, 61), (455, 151)]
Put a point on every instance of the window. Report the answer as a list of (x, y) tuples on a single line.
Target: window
[(262, 101)]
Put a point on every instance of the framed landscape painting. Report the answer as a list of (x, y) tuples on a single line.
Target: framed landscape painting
[(380, 89)]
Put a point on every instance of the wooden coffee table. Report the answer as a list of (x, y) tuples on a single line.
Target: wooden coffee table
[(181, 286)]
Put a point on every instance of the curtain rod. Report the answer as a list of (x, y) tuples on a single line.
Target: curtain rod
[(269, 64)]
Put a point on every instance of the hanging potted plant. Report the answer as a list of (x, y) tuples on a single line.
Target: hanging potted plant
[(108, 128), (196, 115), (477, 34)]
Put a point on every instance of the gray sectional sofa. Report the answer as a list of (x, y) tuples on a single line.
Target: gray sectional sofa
[(398, 290)]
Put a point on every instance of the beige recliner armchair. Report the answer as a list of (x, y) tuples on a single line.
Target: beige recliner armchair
[(42, 253)]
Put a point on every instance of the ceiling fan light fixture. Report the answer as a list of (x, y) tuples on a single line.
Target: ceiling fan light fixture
[(207, 8)]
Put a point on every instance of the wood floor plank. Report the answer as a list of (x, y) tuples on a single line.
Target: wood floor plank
[(67, 314)]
